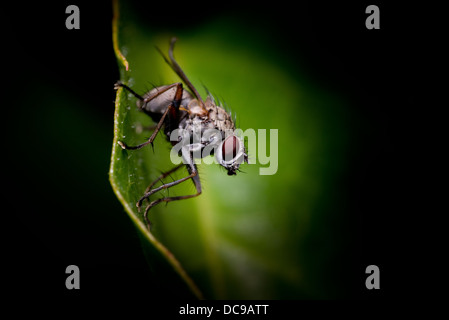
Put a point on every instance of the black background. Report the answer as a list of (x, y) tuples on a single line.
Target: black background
[(382, 68)]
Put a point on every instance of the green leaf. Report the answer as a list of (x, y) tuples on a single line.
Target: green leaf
[(247, 236), (128, 169)]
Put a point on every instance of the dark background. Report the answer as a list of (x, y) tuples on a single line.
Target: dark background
[(378, 69)]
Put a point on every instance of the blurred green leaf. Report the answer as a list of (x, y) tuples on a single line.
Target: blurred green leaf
[(248, 236)]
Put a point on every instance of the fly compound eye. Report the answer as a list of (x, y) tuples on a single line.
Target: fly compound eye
[(230, 148)]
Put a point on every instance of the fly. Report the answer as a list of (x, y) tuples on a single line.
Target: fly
[(173, 107)]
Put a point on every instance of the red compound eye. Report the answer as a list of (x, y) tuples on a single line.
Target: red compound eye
[(230, 148)]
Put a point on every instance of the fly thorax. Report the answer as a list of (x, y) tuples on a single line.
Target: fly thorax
[(221, 119), (195, 109)]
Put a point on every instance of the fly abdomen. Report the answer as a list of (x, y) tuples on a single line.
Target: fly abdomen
[(156, 107)]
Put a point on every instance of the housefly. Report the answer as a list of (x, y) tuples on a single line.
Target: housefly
[(203, 124)]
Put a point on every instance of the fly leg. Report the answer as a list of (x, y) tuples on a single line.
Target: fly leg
[(193, 174), (173, 106), (175, 66), (162, 176), (191, 168)]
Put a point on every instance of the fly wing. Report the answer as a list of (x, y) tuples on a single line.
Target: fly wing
[(159, 104)]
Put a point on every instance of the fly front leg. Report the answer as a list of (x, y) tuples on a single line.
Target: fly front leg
[(162, 176), (192, 169), (173, 108)]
